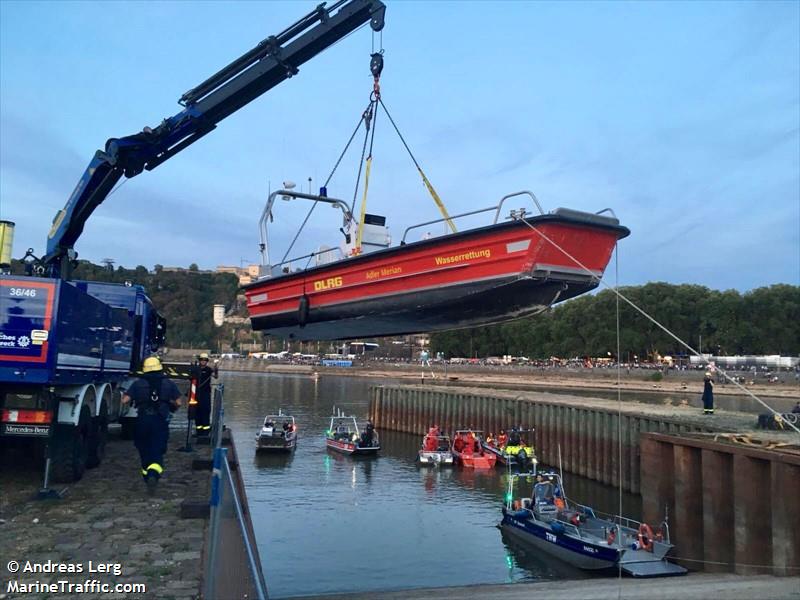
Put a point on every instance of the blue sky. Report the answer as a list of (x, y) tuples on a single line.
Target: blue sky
[(682, 117)]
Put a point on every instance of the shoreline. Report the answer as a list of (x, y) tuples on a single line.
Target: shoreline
[(639, 380)]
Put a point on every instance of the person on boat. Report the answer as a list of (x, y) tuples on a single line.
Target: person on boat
[(286, 427), (367, 436), (514, 437), (268, 424), (458, 444), (708, 394), (430, 439), (202, 374), (543, 491), (502, 439), (471, 442), (466, 450)]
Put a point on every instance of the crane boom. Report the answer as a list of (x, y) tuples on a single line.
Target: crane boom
[(272, 61)]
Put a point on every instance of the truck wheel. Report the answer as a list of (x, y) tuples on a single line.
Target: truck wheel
[(98, 431), (128, 428), (70, 447)]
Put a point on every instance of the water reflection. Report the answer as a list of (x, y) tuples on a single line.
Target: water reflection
[(330, 523)]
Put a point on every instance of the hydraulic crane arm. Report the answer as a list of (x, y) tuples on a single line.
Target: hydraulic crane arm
[(272, 61)]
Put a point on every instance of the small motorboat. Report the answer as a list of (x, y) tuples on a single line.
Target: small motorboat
[(435, 450), (581, 536), (344, 436), (513, 450), (468, 450), (277, 434)]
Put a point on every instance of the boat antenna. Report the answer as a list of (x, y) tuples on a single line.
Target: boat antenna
[(561, 473)]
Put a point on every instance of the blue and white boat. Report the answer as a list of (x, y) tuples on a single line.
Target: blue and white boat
[(581, 536)]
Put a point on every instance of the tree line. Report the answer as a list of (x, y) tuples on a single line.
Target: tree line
[(762, 321)]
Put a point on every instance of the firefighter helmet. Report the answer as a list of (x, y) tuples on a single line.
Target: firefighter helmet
[(151, 363)]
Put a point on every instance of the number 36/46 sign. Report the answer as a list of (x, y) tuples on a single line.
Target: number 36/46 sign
[(22, 292)]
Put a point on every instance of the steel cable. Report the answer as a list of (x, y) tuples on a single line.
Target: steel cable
[(655, 322)]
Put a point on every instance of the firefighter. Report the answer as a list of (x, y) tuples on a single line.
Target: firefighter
[(155, 398), (202, 374)]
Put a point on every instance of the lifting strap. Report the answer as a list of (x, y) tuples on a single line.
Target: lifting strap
[(360, 234), (425, 180), (369, 118), (357, 249)]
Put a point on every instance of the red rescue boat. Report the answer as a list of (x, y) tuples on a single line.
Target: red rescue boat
[(469, 452), (503, 271)]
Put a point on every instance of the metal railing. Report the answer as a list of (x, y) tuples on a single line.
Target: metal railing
[(495, 209), (232, 568), (217, 415)]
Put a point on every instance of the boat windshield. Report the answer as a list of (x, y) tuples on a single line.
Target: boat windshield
[(280, 421)]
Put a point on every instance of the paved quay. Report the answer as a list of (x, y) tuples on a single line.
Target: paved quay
[(107, 517), (701, 586)]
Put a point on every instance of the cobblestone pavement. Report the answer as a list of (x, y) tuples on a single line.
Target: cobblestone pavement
[(107, 517)]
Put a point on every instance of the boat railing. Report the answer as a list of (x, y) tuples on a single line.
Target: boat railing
[(309, 256), (266, 215), (522, 193), (632, 524), (442, 220), (495, 209)]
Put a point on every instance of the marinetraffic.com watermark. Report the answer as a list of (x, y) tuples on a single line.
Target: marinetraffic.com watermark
[(27, 577)]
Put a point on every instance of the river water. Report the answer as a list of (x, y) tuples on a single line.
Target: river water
[(328, 523)]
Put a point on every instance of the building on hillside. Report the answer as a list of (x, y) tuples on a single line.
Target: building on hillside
[(246, 274)]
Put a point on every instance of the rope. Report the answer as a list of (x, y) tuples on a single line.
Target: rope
[(347, 146), (367, 116), (360, 233), (715, 562), (327, 181), (425, 180), (659, 325)]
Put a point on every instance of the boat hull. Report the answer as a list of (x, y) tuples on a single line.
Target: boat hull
[(435, 458), (587, 554), (492, 274), (475, 461), (575, 552), (505, 459), (272, 446), (350, 448)]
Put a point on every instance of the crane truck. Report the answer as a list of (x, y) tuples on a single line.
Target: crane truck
[(66, 346)]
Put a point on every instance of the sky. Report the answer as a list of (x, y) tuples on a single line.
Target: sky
[(683, 117)]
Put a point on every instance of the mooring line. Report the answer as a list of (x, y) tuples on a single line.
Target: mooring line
[(659, 325), (734, 564)]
